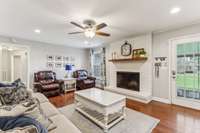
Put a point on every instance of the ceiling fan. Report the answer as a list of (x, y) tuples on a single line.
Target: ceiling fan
[(90, 29)]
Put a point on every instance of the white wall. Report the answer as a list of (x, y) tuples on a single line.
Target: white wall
[(39, 52), (161, 88), (144, 67)]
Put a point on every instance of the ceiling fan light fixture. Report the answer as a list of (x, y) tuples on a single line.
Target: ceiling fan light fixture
[(90, 33)]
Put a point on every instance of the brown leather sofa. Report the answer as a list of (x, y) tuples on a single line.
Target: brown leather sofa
[(83, 80), (45, 82)]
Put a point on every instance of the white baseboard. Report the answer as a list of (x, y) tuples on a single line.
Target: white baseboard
[(163, 100), (146, 101)]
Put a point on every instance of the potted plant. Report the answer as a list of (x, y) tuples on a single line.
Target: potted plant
[(142, 53)]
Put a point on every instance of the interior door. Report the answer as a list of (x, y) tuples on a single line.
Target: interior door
[(185, 72), (17, 67)]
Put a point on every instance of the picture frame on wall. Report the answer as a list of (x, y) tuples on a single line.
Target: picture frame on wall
[(66, 59), (50, 57), (72, 59), (58, 58), (50, 64), (58, 65)]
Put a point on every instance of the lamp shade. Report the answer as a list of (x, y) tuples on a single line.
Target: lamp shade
[(68, 67)]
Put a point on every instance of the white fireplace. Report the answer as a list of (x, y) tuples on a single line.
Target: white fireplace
[(143, 67)]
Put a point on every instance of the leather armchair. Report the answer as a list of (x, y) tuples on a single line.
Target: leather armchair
[(83, 80), (45, 82)]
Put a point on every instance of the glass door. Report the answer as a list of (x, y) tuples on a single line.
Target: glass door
[(186, 72)]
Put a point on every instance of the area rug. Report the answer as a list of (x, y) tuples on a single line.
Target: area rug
[(135, 122)]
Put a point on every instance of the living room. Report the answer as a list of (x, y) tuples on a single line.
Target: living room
[(99, 66)]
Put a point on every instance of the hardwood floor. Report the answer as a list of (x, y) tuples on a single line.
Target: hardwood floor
[(173, 119)]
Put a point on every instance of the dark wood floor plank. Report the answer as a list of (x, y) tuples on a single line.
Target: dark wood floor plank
[(173, 119)]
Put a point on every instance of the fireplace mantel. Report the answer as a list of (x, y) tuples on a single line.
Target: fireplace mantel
[(129, 59)]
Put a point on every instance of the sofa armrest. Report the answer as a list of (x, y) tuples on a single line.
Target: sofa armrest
[(37, 86), (92, 78), (59, 81)]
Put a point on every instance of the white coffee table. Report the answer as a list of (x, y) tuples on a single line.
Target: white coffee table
[(102, 107)]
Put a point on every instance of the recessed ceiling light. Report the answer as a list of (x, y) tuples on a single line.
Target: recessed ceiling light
[(37, 31), (175, 10)]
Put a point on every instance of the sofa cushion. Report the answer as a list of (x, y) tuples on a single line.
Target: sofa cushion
[(48, 109), (63, 125), (88, 81), (40, 97), (50, 86), (44, 82)]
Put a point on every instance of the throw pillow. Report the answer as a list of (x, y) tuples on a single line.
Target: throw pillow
[(14, 95), (19, 83), (44, 82)]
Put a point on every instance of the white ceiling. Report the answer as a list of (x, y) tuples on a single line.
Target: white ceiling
[(125, 18)]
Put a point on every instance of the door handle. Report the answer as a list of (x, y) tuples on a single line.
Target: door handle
[(173, 74)]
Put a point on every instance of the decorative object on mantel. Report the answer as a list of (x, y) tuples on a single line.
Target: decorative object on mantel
[(126, 49), (114, 55), (139, 53)]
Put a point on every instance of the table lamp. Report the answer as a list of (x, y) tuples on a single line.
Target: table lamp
[(68, 68)]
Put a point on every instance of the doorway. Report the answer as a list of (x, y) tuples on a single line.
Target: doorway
[(17, 69), (14, 63), (185, 71), (19, 64)]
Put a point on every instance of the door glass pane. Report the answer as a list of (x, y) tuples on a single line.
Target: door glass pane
[(188, 70)]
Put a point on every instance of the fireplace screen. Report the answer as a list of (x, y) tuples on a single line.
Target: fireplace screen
[(128, 80)]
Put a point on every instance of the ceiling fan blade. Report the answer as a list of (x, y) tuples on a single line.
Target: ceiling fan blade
[(102, 34), (78, 32), (100, 26), (78, 25)]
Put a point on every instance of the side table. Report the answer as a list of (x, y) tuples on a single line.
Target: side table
[(69, 84)]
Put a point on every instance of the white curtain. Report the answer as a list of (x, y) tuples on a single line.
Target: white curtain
[(4, 65)]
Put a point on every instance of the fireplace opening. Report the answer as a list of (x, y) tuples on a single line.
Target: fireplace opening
[(128, 80)]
